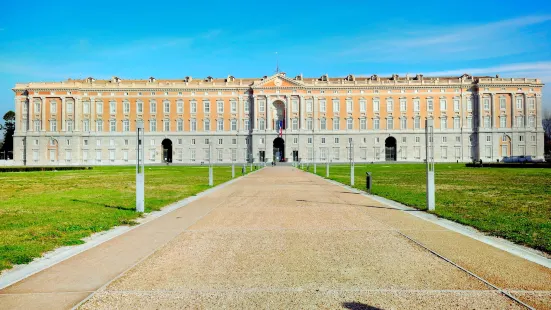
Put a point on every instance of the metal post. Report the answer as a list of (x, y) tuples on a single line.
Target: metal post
[(351, 164), (211, 178), (140, 178), (233, 170), (368, 182), (429, 137)]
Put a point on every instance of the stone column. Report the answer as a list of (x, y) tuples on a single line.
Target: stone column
[(31, 114), (493, 111), (63, 116), (268, 114), (314, 116), (43, 113), (480, 111), (302, 111), (512, 116), (77, 109), (93, 114), (287, 112), (538, 111), (255, 110), (525, 110)]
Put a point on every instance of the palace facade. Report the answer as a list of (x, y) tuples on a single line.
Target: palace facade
[(192, 121)]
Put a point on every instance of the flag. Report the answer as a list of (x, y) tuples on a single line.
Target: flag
[(280, 125)]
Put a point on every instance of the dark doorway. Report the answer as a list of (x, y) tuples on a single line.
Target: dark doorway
[(295, 156), (167, 150), (262, 155), (390, 149), (279, 149)]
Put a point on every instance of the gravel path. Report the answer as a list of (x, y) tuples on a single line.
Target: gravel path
[(285, 239)]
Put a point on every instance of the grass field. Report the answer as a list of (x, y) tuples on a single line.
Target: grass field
[(506, 202), (40, 211)]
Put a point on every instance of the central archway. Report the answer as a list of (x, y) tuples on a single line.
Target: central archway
[(390, 149), (279, 149), (167, 150)]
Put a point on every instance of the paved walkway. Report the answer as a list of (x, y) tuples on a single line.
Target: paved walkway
[(286, 239)]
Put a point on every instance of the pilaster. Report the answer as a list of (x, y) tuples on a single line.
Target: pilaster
[(493, 110), (63, 116), (268, 115), (302, 110), (43, 114)]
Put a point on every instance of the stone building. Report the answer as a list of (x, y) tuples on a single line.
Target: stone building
[(189, 121)]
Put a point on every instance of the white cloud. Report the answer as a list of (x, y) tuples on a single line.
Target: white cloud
[(459, 42)]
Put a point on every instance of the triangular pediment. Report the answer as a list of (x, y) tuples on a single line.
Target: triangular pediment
[(278, 80)]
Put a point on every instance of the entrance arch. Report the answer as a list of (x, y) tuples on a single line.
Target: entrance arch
[(390, 149), (279, 149), (167, 150)]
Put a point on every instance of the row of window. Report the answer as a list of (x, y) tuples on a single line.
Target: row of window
[(294, 105), (220, 124)]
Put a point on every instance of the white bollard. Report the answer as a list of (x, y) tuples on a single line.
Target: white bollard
[(430, 190), (315, 169), (233, 171), (211, 177), (352, 175), (327, 170)]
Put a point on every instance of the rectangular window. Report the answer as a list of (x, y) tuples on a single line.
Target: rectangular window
[(444, 152), (389, 105), (261, 124), (336, 140), (180, 106), (488, 138), (220, 155), (53, 107), (502, 103), (309, 140), (166, 125), (220, 125), (323, 105), (456, 123), (417, 139), (444, 139), (444, 123), (531, 103), (486, 104), (403, 123), (220, 106), (295, 140), (294, 105), (376, 123), (295, 124), (336, 124), (153, 106), (363, 106), (126, 125), (166, 107), (193, 107), (486, 122), (443, 105), (69, 125), (233, 124), (192, 154), (390, 123), (246, 105), (323, 140), (349, 123), (430, 105), (180, 125), (520, 121), (261, 106), (531, 121), (488, 151), (363, 124), (469, 104), (323, 124), (152, 125), (416, 105), (53, 125), (246, 124), (234, 154), (86, 125), (98, 156), (502, 122), (403, 105), (112, 107), (336, 105), (233, 106), (99, 125), (336, 153), (417, 123), (206, 106), (309, 105), (99, 107), (456, 105), (349, 106), (70, 107), (206, 125), (519, 103), (470, 122), (309, 124), (112, 126), (193, 125)]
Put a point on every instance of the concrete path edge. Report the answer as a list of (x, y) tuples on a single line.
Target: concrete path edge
[(49, 259), (500, 243)]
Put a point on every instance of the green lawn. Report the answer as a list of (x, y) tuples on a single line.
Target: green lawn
[(40, 211), (506, 202)]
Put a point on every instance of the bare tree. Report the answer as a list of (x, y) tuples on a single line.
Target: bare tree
[(546, 124)]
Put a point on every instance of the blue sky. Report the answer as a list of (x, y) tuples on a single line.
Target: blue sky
[(56, 40)]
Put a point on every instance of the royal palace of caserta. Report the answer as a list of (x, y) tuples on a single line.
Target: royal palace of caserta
[(277, 117)]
